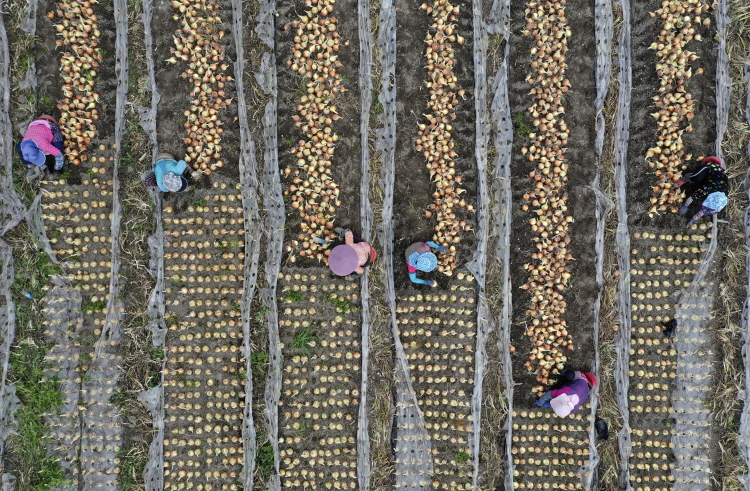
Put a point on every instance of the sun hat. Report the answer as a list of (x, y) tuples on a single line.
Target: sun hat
[(343, 260), (564, 404), (425, 261), (591, 379), (715, 201), (32, 153), (373, 254), (173, 182)]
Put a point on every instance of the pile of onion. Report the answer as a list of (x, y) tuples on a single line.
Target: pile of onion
[(78, 28), (674, 104), (548, 275), (434, 139), (198, 43), (313, 192)]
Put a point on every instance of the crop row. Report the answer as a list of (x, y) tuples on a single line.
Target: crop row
[(77, 24), (675, 105), (662, 265), (198, 44), (203, 376), (438, 332), (548, 451), (314, 193), (319, 325), (435, 139), (547, 25)]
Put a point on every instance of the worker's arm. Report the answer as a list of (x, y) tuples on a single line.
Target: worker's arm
[(436, 246), (414, 279), (176, 167), (359, 270), (349, 237)]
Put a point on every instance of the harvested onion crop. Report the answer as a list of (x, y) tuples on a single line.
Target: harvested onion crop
[(198, 43), (434, 139)]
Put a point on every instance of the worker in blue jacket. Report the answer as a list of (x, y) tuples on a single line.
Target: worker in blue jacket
[(169, 175), (419, 257)]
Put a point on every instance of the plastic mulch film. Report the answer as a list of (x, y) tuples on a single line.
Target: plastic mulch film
[(11, 209), (478, 265), (274, 229), (603, 32), (153, 398), (413, 448), (502, 130), (249, 182), (63, 322), (8, 400), (744, 440), (695, 358), (366, 220), (723, 80), (36, 228), (622, 238)]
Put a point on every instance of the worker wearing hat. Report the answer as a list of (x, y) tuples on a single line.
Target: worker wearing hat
[(573, 393), (350, 258), (713, 186), (42, 139), (419, 257), (169, 175)]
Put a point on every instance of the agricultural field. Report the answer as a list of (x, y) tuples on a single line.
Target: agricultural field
[(198, 341)]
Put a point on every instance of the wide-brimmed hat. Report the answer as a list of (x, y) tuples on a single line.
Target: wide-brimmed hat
[(174, 183), (343, 260), (715, 201), (591, 379), (564, 404), (425, 261), (32, 153)]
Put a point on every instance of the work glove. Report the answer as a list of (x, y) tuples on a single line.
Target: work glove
[(679, 184), (342, 232), (59, 162), (434, 284), (683, 209), (542, 403), (354, 276), (442, 248)]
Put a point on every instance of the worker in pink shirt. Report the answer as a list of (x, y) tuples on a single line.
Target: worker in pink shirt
[(42, 145), (350, 258)]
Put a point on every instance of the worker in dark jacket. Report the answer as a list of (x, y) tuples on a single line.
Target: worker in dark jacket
[(419, 257), (573, 393), (712, 187)]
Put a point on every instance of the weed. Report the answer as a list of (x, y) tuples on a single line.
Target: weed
[(259, 364), (377, 108), (304, 338), (292, 296), (199, 203), (260, 314), (289, 141), (264, 460), (341, 304), (521, 127), (462, 457), (97, 306)]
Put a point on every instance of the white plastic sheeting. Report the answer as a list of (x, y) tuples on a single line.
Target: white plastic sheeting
[(744, 440)]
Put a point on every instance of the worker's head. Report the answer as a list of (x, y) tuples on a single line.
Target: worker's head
[(31, 152), (715, 160), (343, 260), (174, 183), (714, 203), (564, 404), (425, 261)]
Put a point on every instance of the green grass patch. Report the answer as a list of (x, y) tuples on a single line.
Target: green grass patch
[(292, 296), (304, 338), (341, 304), (264, 461), (259, 364), (97, 306), (462, 457)]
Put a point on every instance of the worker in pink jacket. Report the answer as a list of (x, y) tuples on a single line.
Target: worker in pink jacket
[(572, 395), (350, 258), (42, 139)]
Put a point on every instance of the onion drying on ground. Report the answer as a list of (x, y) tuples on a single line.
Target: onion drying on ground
[(78, 27), (548, 278), (674, 104), (435, 140), (198, 43), (314, 193)]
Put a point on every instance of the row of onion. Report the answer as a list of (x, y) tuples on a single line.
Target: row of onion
[(547, 25), (680, 20), (435, 137), (313, 192), (197, 43), (77, 24)]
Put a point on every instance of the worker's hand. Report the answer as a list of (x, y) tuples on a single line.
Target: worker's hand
[(433, 284), (683, 209), (442, 248), (678, 184)]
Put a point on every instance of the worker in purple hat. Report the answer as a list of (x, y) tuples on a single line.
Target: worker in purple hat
[(419, 257), (350, 258), (42, 145)]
